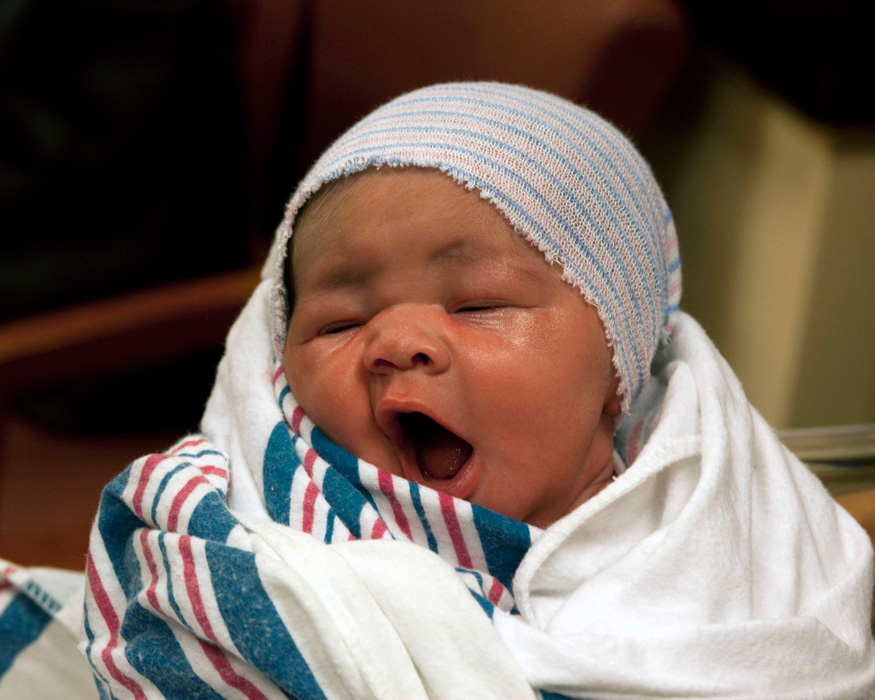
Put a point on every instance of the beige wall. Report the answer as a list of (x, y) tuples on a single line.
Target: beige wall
[(776, 218)]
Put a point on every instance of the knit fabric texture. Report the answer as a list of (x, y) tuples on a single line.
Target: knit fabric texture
[(565, 179)]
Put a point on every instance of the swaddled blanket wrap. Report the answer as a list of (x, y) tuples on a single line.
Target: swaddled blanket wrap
[(715, 566)]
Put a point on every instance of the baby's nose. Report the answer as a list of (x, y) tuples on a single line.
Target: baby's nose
[(406, 337)]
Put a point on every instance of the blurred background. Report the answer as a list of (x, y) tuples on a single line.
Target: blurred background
[(147, 148)]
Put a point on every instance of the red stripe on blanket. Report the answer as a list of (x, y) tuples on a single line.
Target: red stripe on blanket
[(297, 417), (153, 570), (179, 500), (188, 443), (310, 494), (192, 587), (495, 591), (112, 623), (152, 461), (278, 373), (387, 487), (210, 470), (378, 530), (309, 461), (448, 510), (223, 665)]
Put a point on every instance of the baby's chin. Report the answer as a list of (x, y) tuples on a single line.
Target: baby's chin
[(544, 515)]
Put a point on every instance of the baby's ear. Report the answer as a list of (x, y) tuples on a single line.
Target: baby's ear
[(613, 405)]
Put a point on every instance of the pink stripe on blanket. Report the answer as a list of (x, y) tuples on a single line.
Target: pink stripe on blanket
[(297, 417), (309, 461), (278, 373), (104, 605), (192, 587), (378, 530), (152, 461), (310, 495), (223, 665), (448, 509), (387, 487), (151, 594), (188, 443), (179, 500), (495, 591), (210, 470)]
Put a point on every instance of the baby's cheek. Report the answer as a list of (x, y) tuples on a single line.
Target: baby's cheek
[(301, 373), (323, 394)]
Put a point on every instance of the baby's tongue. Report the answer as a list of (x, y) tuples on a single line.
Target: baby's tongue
[(439, 452)]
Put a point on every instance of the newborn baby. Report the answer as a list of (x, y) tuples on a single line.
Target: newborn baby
[(463, 443), (473, 299)]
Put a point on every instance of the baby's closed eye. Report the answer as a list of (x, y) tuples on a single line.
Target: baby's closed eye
[(338, 327)]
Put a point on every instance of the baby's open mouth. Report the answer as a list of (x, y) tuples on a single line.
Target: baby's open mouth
[(439, 452)]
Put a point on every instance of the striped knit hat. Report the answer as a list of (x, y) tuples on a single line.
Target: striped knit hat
[(567, 181)]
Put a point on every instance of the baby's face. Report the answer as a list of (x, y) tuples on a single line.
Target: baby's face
[(429, 339)]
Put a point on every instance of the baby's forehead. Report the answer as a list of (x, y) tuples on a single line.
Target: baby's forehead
[(382, 185), (342, 201)]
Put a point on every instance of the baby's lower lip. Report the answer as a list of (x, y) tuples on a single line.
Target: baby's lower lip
[(459, 485)]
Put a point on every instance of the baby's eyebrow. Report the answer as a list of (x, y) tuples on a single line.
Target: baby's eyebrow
[(355, 276), (344, 277), (467, 253)]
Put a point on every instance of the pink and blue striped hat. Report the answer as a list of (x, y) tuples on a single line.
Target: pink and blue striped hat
[(568, 181)]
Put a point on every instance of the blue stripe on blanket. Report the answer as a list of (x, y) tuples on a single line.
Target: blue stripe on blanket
[(416, 497), (21, 623), (99, 678), (150, 646), (346, 502), (329, 526), (165, 560), (505, 542), (336, 456), (266, 644), (280, 463), (484, 602), (342, 486), (116, 521), (211, 518), (286, 390), (345, 463), (162, 487), (197, 455)]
